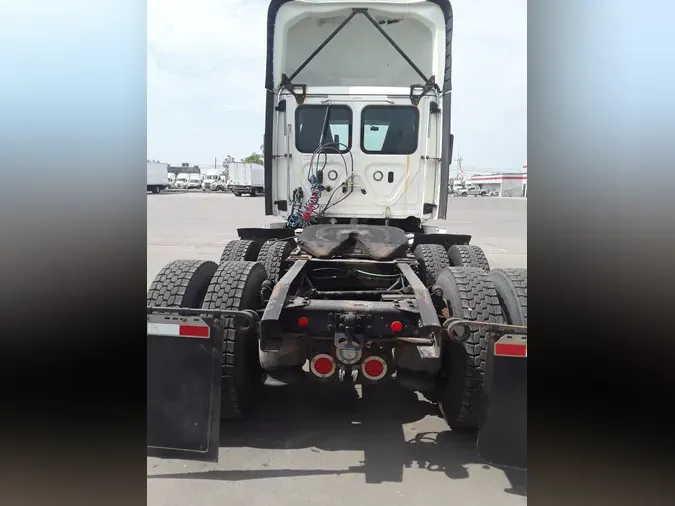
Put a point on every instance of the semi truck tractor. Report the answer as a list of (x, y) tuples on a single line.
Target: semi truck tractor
[(182, 180), (350, 284), (194, 181), (211, 178)]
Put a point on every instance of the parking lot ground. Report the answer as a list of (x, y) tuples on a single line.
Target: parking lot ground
[(331, 446), (197, 225)]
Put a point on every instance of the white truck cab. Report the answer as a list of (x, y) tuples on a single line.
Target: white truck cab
[(182, 180), (365, 136), (210, 179), (194, 181)]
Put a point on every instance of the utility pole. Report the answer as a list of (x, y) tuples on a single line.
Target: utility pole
[(460, 170)]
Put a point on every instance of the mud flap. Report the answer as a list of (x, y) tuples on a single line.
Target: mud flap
[(502, 439), (184, 356)]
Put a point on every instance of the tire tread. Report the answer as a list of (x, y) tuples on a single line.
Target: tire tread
[(432, 259), (468, 255), (479, 302), (234, 286)]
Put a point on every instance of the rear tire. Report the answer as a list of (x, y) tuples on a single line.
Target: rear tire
[(236, 285), (253, 193), (240, 250), (272, 255), (237, 194), (181, 283), (468, 255), (469, 295), (511, 287), (432, 259)]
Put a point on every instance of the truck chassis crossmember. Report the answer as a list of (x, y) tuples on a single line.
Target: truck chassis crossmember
[(370, 316)]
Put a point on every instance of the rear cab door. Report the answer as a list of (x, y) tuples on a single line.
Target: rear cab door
[(384, 156)]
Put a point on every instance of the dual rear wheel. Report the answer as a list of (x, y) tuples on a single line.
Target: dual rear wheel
[(433, 258), (272, 254), (470, 293), (234, 284), (474, 292), (230, 285)]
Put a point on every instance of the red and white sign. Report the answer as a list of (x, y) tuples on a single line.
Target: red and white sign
[(498, 178)]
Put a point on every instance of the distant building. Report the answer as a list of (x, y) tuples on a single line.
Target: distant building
[(184, 168), (507, 184)]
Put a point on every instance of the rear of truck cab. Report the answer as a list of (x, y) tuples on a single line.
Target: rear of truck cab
[(387, 162)]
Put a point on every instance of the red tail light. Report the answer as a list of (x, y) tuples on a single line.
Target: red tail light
[(374, 368), (322, 366)]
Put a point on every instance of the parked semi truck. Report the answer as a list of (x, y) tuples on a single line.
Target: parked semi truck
[(211, 178), (194, 181), (351, 284), (247, 178), (157, 177), (182, 180)]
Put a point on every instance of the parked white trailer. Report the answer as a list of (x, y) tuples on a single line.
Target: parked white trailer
[(157, 177), (247, 178)]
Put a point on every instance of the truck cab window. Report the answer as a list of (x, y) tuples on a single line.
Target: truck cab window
[(389, 130), (308, 122)]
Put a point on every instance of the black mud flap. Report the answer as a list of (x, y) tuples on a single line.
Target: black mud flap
[(502, 439), (183, 387)]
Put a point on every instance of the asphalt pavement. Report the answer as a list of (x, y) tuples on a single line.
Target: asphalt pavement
[(331, 446)]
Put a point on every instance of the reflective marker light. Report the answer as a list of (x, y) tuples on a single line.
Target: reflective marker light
[(396, 326), (511, 350), (511, 346), (179, 330), (303, 321)]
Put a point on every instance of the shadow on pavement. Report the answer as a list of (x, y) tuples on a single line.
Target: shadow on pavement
[(323, 418)]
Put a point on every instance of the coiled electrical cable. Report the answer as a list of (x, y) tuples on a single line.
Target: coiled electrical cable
[(310, 212)]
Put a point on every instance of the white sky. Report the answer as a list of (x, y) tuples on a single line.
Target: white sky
[(206, 74)]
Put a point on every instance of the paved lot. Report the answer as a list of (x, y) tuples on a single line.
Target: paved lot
[(337, 448)]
